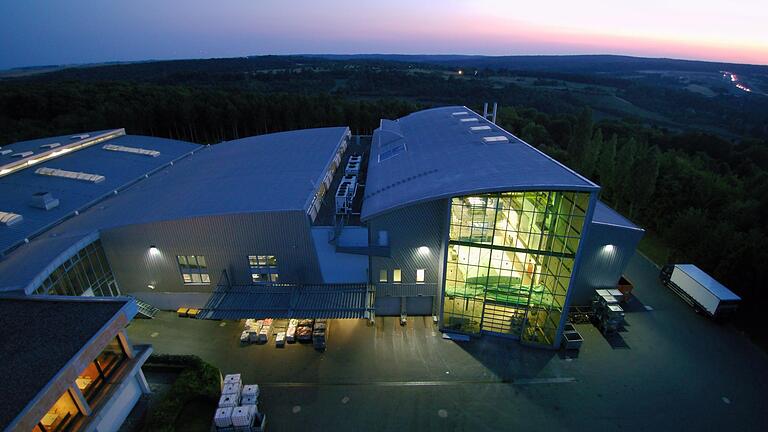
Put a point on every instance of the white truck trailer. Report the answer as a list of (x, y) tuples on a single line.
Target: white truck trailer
[(699, 289)]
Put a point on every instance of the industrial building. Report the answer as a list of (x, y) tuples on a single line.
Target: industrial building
[(439, 213)]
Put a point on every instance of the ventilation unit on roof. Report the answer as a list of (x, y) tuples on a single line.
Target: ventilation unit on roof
[(8, 218), (470, 119), (43, 200), (79, 137), (23, 154), (50, 146), (134, 150), (498, 138), (345, 194), (479, 128), (54, 172), (353, 165)]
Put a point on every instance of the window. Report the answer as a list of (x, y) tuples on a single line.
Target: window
[(263, 268), (419, 275), (383, 275), (61, 414), (396, 275), (194, 270)]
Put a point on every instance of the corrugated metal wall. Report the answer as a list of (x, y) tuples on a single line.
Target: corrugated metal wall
[(602, 266), (408, 229), (225, 241)]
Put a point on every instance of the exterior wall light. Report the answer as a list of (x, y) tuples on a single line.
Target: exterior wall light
[(424, 250), (150, 286), (154, 250), (609, 248)]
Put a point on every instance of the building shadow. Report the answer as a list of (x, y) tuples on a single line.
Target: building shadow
[(508, 359)]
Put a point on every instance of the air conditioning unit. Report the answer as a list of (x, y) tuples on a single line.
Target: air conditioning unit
[(43, 200)]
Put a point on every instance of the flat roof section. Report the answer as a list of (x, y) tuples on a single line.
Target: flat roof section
[(40, 337), (606, 215), (20, 190), (447, 155)]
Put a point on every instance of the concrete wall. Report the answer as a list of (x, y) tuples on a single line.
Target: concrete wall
[(603, 265), (408, 229), (225, 241)]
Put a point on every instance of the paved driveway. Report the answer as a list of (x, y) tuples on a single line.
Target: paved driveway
[(670, 370)]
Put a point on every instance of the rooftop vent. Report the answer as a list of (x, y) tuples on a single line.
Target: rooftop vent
[(79, 137), (498, 138), (469, 119), (23, 154), (134, 150), (8, 218), (54, 172), (50, 146), (43, 200), (479, 128)]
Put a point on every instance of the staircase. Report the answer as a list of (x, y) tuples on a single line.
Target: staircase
[(145, 310)]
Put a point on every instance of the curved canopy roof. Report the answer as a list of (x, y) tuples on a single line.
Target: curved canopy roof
[(451, 151)]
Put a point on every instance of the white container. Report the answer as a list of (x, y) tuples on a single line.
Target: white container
[(280, 339), (264, 335), (702, 290), (249, 400), (244, 337), (233, 388), (223, 417), (242, 416), (229, 400), (251, 390), (232, 379)]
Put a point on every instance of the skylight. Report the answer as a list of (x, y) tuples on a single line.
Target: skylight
[(460, 113), (134, 150), (50, 146), (23, 154), (497, 138), (54, 172), (479, 128), (5, 152), (8, 218), (470, 119)]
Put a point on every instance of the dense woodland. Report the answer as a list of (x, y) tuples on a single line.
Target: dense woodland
[(702, 196)]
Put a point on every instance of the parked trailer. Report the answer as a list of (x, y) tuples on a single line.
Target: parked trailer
[(699, 289)]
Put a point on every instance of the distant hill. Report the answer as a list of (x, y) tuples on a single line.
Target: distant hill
[(561, 63)]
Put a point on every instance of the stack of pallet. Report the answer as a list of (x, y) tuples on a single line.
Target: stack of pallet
[(251, 332), (238, 407), (608, 313), (290, 334), (304, 330)]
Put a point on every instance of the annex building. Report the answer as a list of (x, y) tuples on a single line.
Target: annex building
[(439, 213)]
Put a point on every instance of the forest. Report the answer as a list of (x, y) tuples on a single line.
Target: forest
[(702, 196)]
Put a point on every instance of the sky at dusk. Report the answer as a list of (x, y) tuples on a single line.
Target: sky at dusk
[(41, 32)]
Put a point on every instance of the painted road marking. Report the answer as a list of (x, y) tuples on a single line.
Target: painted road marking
[(519, 381)]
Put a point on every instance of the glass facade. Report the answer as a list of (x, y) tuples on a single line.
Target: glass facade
[(86, 273), (510, 259), (263, 269), (91, 379)]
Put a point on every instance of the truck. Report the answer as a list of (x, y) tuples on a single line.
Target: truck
[(700, 290)]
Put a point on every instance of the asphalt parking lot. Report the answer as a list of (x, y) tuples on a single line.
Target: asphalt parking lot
[(670, 370)]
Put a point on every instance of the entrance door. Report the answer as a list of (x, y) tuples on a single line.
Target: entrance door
[(504, 319)]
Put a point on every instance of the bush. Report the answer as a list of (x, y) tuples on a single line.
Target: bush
[(199, 380)]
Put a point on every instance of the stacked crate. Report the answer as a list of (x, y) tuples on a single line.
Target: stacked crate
[(608, 313), (239, 412)]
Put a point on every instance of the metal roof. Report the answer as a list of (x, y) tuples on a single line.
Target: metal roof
[(119, 169), (435, 154), (605, 215), (276, 172), (708, 281), (288, 301)]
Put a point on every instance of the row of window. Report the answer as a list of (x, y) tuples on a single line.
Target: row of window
[(91, 382), (85, 273), (194, 269), (397, 276)]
